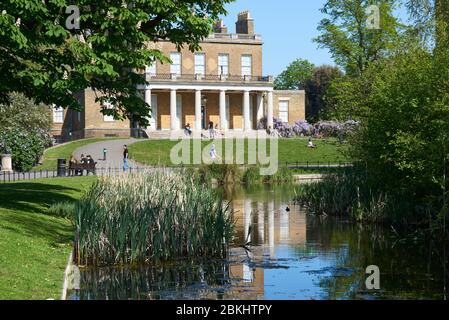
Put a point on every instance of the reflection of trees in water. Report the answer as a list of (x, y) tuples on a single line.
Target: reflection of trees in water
[(408, 269), (186, 280)]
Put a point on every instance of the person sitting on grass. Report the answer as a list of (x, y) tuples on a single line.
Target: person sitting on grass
[(311, 145)]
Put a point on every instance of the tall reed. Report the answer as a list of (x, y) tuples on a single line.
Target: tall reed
[(348, 194), (148, 217)]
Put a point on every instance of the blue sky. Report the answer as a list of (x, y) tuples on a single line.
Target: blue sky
[(287, 28)]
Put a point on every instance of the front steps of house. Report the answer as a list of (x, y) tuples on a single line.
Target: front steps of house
[(181, 134)]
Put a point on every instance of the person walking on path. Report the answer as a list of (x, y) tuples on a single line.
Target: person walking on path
[(125, 158)]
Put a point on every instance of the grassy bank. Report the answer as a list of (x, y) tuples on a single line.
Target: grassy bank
[(157, 152), (34, 246), (64, 151)]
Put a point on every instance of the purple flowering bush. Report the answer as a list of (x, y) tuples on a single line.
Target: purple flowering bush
[(330, 128), (284, 129), (302, 128)]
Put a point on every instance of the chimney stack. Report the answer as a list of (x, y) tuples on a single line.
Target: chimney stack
[(219, 27), (245, 23)]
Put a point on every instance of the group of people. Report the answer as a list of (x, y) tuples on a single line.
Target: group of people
[(74, 170), (213, 130)]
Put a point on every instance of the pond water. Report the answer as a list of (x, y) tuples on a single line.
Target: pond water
[(292, 256)]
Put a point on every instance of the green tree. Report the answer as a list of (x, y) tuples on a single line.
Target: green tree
[(404, 134), (47, 59), (26, 146), (295, 76), (431, 17), (24, 130), (23, 113), (316, 87), (350, 36)]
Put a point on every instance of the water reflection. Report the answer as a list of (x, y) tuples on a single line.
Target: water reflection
[(292, 256)]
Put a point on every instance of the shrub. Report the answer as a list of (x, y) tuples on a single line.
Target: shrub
[(302, 128), (146, 217), (25, 146), (284, 129)]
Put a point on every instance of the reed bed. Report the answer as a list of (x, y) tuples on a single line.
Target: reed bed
[(347, 194), (146, 217)]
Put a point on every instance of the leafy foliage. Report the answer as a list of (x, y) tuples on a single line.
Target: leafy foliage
[(316, 87), (345, 33), (24, 113), (295, 76), (24, 130), (42, 58), (25, 147)]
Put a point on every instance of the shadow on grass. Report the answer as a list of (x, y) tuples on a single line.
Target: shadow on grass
[(23, 209)]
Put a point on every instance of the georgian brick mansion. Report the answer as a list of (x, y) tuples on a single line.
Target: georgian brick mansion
[(223, 83)]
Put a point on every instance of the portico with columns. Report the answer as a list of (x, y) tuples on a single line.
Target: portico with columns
[(232, 108)]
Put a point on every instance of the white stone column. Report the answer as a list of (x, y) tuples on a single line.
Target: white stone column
[(246, 117), (260, 105), (198, 125), (223, 122), (270, 114), (151, 120), (173, 119)]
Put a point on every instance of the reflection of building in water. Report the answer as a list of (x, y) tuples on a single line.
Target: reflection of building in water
[(268, 224)]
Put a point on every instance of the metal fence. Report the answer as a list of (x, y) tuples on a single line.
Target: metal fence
[(318, 165), (6, 177)]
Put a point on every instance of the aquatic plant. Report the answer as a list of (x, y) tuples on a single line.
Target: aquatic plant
[(221, 174), (252, 176), (146, 217), (283, 175), (347, 194)]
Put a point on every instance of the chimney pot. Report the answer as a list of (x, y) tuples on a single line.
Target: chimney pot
[(245, 23), (219, 27)]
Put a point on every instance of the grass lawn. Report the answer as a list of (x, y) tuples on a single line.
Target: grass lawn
[(52, 155), (34, 247), (157, 152)]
